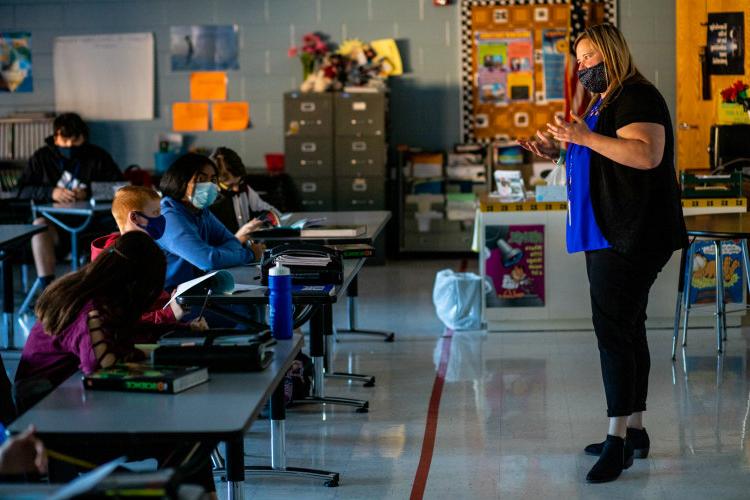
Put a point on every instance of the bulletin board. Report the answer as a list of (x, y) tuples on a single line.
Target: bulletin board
[(513, 55)]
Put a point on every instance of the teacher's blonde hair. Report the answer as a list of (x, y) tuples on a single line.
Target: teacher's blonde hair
[(618, 61)]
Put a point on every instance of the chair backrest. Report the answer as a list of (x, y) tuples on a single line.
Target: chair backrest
[(7, 408)]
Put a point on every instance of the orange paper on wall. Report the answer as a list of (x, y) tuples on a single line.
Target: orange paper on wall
[(189, 116), (208, 86), (227, 116)]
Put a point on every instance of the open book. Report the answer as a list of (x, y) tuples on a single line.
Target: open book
[(333, 231), (217, 281)]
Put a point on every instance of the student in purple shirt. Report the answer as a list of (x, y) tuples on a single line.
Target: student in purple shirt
[(88, 320)]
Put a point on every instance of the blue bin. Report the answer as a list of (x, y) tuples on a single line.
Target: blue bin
[(162, 161)]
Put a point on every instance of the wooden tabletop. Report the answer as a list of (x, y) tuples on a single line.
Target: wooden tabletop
[(729, 226)]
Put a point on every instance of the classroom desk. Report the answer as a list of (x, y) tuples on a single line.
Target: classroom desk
[(71, 414), (374, 221), (83, 209), (12, 236), (321, 324)]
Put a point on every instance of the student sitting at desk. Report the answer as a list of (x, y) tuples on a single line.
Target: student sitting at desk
[(238, 202), (137, 208), (62, 171), (195, 241)]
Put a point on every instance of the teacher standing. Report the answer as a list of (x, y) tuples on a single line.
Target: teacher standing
[(624, 212)]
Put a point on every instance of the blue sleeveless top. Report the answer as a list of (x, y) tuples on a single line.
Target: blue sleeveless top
[(582, 232)]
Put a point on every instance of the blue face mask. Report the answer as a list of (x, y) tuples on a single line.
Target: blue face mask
[(204, 194), (155, 226), (65, 152)]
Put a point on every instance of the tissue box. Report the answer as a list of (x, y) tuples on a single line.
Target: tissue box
[(551, 193)]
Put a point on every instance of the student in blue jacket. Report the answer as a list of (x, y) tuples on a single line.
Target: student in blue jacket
[(194, 240)]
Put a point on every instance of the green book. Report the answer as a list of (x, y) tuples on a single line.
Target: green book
[(145, 377)]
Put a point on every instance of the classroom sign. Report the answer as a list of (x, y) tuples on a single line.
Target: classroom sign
[(15, 62), (515, 264)]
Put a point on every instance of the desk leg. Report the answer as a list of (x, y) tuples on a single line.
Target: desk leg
[(719, 296), (6, 269), (278, 448), (678, 307), (368, 380), (235, 464), (320, 326), (352, 292)]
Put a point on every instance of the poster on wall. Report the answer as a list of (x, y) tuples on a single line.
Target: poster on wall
[(504, 62), (726, 43), (204, 48), (554, 48), (703, 279), (15, 62), (515, 264)]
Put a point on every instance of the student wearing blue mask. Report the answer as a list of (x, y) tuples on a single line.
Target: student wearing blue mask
[(62, 171), (195, 241)]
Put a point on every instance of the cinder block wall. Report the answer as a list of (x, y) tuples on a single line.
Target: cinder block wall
[(425, 102)]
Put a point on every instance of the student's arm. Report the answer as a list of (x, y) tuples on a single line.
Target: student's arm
[(257, 203), (31, 183), (106, 352), (222, 249)]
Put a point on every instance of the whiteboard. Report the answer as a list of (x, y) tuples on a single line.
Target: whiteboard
[(105, 77)]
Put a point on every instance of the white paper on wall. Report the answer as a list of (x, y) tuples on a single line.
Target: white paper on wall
[(105, 77)]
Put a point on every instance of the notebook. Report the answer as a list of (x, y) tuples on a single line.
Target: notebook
[(105, 191)]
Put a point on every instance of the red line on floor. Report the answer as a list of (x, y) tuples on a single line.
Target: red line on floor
[(430, 427)]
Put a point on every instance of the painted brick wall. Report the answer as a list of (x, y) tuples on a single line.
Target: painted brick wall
[(424, 102)]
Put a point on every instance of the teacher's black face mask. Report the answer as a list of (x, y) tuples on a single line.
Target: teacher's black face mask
[(594, 79)]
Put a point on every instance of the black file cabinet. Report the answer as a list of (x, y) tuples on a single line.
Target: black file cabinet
[(335, 149)]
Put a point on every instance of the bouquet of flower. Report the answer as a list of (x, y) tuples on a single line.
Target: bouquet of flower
[(737, 93), (315, 47)]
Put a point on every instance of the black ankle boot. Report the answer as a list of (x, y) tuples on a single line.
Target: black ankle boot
[(638, 438), (611, 462)]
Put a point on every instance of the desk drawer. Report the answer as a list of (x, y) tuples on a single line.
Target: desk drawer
[(360, 156), (316, 194), (308, 156), (309, 114), (360, 114), (360, 193)]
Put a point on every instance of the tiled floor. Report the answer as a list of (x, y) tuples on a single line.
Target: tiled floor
[(516, 411)]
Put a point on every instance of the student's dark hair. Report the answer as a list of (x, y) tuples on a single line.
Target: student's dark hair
[(175, 180), (70, 125), (124, 281), (227, 159)]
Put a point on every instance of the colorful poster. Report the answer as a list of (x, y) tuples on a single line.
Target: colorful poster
[(204, 48), (515, 263), (726, 43), (15, 62), (703, 279), (504, 66), (554, 48)]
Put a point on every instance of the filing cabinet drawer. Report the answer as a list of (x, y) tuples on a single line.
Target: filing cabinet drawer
[(360, 114), (360, 156), (316, 194), (308, 156), (308, 114), (360, 193)]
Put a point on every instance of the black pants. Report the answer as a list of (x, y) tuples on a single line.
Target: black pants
[(619, 285)]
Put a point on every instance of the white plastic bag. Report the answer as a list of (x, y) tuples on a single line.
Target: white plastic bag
[(557, 176), (458, 300)]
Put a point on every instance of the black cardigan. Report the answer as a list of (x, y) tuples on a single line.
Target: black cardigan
[(637, 210)]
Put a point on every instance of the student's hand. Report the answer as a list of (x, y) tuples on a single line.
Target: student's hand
[(199, 324), (243, 233), (542, 145), (177, 309), (80, 194), (23, 453), (62, 195)]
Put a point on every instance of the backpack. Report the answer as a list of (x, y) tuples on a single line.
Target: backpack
[(298, 379)]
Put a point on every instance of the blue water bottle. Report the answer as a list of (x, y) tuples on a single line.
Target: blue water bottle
[(280, 300)]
